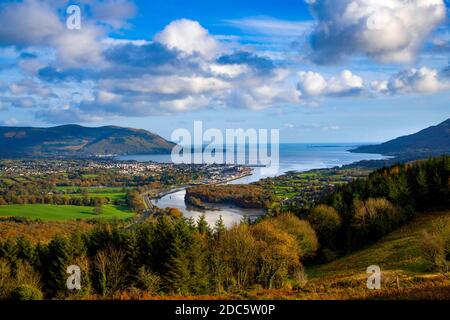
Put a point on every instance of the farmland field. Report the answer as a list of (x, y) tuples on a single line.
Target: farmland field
[(48, 212), (110, 195)]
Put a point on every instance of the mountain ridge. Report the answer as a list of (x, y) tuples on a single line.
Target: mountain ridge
[(79, 141), (430, 141)]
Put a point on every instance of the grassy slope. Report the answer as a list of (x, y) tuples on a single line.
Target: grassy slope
[(399, 257), (59, 212)]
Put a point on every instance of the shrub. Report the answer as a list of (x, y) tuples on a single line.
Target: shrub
[(149, 281), (174, 212), (26, 292), (27, 275), (6, 281), (435, 245)]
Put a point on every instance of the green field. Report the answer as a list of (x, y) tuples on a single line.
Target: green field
[(110, 195), (49, 212), (71, 189)]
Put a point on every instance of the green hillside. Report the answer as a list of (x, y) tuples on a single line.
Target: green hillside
[(402, 260), (74, 140)]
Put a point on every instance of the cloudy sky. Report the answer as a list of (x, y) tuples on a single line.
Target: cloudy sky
[(318, 70)]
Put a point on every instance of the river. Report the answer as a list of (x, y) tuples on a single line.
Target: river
[(293, 157)]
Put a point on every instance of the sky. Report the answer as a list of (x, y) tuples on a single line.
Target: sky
[(317, 70)]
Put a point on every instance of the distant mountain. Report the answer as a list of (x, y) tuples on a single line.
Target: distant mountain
[(434, 140), (79, 141)]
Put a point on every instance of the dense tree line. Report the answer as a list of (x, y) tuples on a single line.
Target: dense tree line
[(56, 199), (245, 196), (364, 210), (164, 256), (40, 191)]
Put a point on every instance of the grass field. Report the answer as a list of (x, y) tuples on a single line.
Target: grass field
[(70, 189), (110, 195), (59, 213)]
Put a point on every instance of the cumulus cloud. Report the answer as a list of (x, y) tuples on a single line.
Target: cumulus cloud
[(114, 13), (28, 88), (87, 76), (422, 80), (258, 63), (182, 69), (28, 23), (188, 36), (37, 23), (385, 30), (313, 84)]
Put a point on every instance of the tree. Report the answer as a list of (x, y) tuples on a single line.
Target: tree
[(219, 227), (375, 217), (180, 275), (56, 261), (202, 225), (237, 249), (110, 265), (174, 212), (277, 254), (326, 221), (301, 230)]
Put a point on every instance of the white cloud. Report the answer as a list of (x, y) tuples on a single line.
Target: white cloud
[(422, 80), (114, 13), (28, 88), (28, 23), (36, 23), (167, 85), (228, 70), (188, 36), (271, 26), (385, 30), (313, 84), (10, 122), (79, 48)]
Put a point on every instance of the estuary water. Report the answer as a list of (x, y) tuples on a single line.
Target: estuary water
[(292, 157)]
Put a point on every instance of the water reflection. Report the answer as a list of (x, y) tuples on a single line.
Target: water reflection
[(230, 214)]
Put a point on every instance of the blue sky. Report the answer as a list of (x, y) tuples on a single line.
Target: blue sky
[(318, 70)]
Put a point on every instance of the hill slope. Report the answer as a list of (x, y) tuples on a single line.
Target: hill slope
[(406, 273), (74, 140), (434, 140)]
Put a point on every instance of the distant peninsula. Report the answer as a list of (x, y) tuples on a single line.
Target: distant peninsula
[(431, 141)]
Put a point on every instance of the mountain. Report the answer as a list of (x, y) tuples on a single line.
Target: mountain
[(79, 141), (430, 141)]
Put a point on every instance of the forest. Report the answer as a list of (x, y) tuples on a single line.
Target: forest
[(245, 196)]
